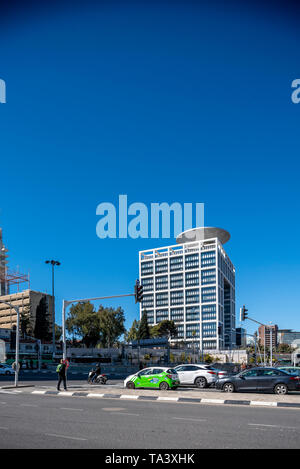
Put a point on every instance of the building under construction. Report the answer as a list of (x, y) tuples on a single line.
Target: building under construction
[(30, 302)]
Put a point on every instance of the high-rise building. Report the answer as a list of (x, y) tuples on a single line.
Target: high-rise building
[(193, 284), (268, 334)]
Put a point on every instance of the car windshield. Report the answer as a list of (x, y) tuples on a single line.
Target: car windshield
[(148, 371)]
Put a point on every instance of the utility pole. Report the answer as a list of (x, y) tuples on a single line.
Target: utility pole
[(243, 316), (53, 263)]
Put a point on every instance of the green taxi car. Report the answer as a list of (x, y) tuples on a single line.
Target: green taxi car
[(154, 377)]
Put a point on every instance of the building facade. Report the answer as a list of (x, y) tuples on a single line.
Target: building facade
[(268, 334), (288, 336), (193, 284), (29, 302)]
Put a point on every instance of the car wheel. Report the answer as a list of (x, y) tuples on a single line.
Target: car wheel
[(164, 386), (130, 385), (228, 387), (201, 382), (7, 373), (281, 389)]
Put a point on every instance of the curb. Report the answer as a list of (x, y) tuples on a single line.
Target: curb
[(183, 400)]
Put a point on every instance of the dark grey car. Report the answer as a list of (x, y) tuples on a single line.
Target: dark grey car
[(260, 379)]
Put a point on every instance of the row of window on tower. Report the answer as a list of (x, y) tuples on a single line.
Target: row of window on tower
[(176, 297), (190, 279), (187, 314), (190, 261)]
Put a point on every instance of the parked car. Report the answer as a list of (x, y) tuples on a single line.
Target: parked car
[(153, 377), (260, 379), (6, 369), (292, 370), (200, 375)]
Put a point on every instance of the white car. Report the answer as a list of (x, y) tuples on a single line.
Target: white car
[(6, 369), (200, 375)]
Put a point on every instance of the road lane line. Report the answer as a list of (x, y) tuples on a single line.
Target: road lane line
[(28, 405), (70, 408), (66, 436), (191, 419), (272, 426)]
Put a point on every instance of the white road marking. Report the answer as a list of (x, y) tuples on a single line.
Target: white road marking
[(270, 404), (70, 408), (66, 436), (186, 418), (94, 395), (128, 396), (113, 409), (28, 405), (272, 426), (165, 398), (125, 413), (213, 401)]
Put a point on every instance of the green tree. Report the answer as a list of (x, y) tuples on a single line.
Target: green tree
[(143, 330), (26, 322), (58, 332), (83, 322), (132, 334), (42, 325), (164, 328), (111, 324)]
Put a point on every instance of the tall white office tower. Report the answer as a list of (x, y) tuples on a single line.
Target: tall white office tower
[(193, 284)]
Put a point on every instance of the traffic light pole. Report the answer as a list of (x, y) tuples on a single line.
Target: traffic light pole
[(67, 303), (271, 344)]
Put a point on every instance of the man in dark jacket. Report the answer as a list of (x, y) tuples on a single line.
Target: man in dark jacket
[(62, 375)]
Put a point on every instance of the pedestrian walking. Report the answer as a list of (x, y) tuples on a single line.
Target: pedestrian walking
[(62, 375)]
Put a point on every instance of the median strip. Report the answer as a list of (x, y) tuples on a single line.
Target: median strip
[(158, 398)]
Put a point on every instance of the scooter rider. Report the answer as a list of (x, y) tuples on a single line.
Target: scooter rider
[(97, 372)]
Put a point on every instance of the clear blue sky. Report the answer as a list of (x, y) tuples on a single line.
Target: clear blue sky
[(163, 102)]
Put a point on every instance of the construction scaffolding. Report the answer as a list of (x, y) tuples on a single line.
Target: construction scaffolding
[(9, 278)]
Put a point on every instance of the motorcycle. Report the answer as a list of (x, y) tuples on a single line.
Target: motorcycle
[(100, 379)]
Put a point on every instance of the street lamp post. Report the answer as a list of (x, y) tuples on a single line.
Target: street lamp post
[(16, 308), (53, 264)]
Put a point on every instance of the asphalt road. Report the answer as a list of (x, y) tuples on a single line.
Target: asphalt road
[(35, 421)]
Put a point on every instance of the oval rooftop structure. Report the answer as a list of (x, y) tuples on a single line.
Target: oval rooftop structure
[(202, 234)]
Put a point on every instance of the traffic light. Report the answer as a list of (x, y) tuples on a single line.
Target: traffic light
[(138, 292), (243, 313)]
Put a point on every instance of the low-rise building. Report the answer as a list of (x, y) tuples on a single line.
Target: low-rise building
[(31, 303)]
